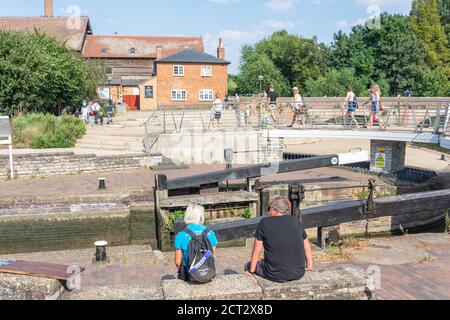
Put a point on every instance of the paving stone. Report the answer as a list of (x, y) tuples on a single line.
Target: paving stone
[(152, 292), (337, 284), (18, 287), (230, 287)]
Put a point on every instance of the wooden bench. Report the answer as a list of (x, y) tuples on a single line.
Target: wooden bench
[(24, 280)]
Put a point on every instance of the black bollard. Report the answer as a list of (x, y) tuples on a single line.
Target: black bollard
[(102, 184)]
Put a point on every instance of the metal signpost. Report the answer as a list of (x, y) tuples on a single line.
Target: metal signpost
[(6, 139)]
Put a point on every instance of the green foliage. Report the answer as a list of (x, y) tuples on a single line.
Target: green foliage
[(40, 74), (335, 83), (447, 222), (444, 12), (428, 26), (232, 85), (407, 52), (297, 58), (247, 214), (43, 131), (400, 58), (434, 83), (172, 218), (257, 64)]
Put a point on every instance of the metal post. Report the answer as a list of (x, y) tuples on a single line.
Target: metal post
[(11, 164), (261, 79)]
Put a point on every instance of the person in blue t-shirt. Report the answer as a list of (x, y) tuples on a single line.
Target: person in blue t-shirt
[(194, 219)]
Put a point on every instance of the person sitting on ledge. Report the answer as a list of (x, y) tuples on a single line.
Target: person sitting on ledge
[(205, 240), (287, 250)]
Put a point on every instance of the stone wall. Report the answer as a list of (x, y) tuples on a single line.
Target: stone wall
[(35, 225), (68, 163), (191, 147)]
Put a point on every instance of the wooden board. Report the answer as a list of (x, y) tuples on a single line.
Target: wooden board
[(38, 269)]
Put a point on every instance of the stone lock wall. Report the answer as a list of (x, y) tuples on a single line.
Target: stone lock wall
[(68, 163)]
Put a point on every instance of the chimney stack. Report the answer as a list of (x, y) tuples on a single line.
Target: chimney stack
[(48, 8), (221, 50), (159, 50)]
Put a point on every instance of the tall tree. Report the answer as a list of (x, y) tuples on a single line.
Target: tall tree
[(427, 24), (38, 73), (350, 51), (335, 83), (399, 57), (257, 64), (444, 11), (298, 58)]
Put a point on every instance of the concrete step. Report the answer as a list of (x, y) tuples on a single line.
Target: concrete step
[(110, 142), (108, 147), (115, 138), (124, 132)]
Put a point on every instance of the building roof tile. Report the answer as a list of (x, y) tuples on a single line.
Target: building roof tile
[(192, 56), (104, 46), (72, 31)]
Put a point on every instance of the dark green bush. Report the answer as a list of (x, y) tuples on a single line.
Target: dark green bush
[(45, 131)]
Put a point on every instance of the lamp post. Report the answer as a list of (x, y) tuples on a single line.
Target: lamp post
[(261, 80), (109, 87)]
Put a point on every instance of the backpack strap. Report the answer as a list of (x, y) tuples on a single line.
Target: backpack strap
[(190, 233), (205, 233)]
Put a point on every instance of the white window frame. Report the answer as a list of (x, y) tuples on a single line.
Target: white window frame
[(178, 95), (178, 67), (202, 93), (209, 68)]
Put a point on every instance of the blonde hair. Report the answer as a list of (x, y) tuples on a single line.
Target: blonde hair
[(295, 89), (376, 88), (195, 214)]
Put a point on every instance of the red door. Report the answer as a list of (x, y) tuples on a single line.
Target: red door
[(133, 102)]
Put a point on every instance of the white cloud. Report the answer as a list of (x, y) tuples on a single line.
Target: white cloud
[(342, 24), (259, 31), (281, 5)]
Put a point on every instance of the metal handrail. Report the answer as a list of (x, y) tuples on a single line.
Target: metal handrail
[(417, 114)]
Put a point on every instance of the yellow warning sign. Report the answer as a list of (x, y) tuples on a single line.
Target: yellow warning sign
[(380, 160)]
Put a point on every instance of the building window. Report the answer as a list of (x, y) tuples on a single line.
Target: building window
[(133, 50), (179, 95), (206, 71), (206, 95), (148, 92), (104, 50), (178, 71)]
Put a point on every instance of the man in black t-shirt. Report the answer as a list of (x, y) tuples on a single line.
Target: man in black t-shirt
[(287, 250), (272, 97)]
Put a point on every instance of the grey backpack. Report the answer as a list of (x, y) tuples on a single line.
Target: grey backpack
[(201, 267)]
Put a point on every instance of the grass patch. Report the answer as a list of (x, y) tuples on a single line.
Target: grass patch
[(172, 218), (447, 222), (45, 131), (247, 214)]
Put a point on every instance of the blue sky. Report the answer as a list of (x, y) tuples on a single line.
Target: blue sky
[(237, 21)]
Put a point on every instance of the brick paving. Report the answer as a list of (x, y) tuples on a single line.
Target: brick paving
[(141, 267), (143, 179)]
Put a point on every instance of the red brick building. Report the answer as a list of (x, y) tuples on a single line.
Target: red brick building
[(144, 71), (192, 77), (130, 62)]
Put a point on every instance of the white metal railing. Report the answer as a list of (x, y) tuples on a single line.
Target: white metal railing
[(399, 114)]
